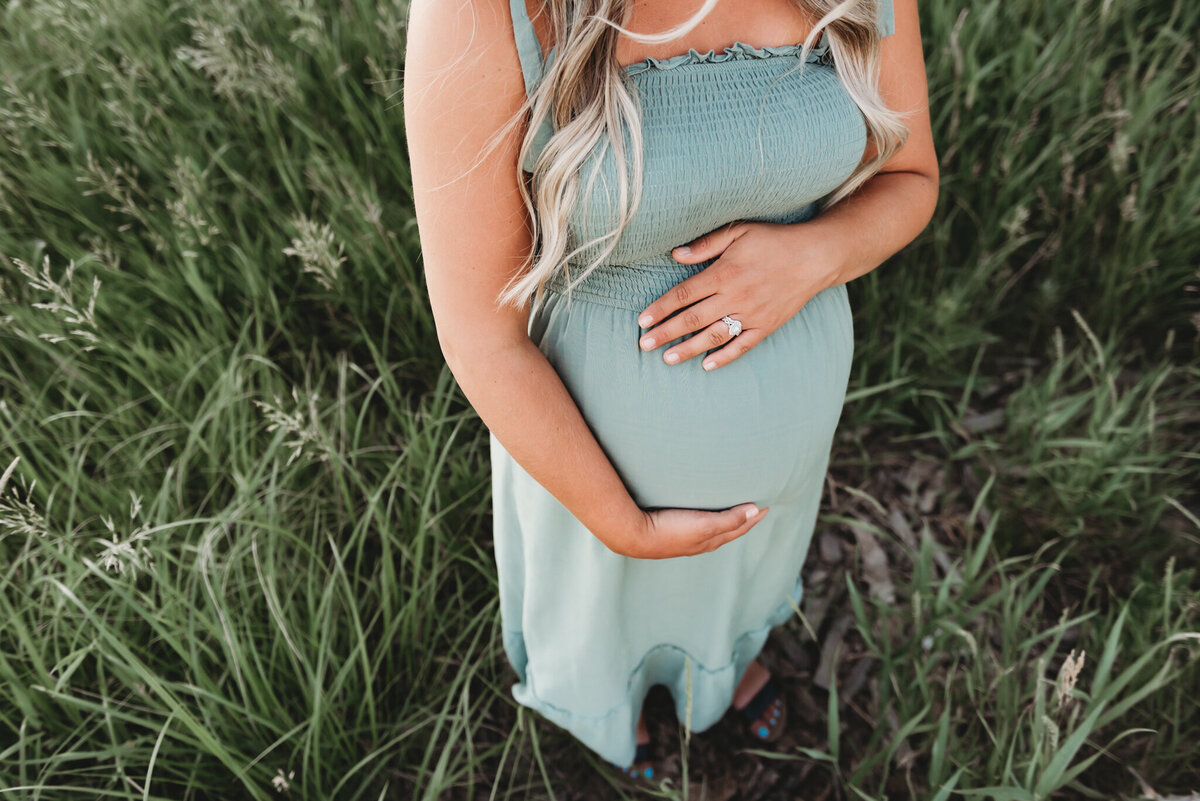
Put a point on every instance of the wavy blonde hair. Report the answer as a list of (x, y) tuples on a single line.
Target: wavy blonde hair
[(587, 96)]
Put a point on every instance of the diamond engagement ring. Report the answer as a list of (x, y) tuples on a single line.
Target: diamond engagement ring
[(735, 327)]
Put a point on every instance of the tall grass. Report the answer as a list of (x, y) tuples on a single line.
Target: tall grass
[(244, 512)]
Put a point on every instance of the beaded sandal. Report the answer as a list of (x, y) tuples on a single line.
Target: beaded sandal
[(643, 764), (769, 697)]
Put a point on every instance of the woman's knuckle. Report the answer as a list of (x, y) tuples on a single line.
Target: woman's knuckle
[(682, 292), (691, 319), (717, 337)]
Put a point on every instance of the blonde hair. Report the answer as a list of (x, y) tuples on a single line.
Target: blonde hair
[(586, 95)]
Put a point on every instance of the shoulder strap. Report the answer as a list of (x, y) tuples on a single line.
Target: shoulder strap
[(887, 18), (529, 50)]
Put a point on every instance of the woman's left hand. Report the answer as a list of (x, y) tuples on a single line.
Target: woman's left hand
[(765, 274)]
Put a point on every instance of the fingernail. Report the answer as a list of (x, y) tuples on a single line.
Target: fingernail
[(751, 512), (647, 343), (645, 320), (709, 365), (671, 358), (683, 250)]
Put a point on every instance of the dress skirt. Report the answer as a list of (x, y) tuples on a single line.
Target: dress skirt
[(588, 631)]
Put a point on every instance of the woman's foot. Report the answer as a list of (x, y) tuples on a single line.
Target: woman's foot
[(759, 699), (643, 763)]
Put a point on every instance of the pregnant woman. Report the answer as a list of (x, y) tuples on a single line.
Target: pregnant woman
[(637, 220)]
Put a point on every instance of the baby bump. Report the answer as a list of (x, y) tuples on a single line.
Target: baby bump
[(758, 429)]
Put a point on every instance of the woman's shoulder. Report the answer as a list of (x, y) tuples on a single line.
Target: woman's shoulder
[(448, 41), (462, 76)]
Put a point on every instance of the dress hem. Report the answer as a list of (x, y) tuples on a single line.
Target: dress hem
[(577, 724)]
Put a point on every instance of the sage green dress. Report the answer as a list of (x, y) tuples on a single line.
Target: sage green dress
[(746, 134)]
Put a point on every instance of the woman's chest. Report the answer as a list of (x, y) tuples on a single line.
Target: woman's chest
[(749, 139)]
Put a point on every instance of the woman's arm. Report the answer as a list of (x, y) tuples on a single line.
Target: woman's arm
[(462, 82)]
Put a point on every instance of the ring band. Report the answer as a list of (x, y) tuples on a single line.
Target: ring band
[(735, 327)]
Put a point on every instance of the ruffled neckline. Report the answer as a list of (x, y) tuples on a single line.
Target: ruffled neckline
[(738, 51)]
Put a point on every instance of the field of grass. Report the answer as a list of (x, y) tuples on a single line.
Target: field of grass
[(244, 510)]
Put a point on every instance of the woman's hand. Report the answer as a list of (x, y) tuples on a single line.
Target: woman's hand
[(765, 274), (667, 533)]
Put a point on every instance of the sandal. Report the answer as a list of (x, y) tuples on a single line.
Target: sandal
[(643, 764), (768, 704)]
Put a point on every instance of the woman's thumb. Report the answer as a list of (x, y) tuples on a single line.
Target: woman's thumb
[(692, 251)]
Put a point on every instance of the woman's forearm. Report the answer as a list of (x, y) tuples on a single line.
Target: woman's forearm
[(523, 401), (889, 209)]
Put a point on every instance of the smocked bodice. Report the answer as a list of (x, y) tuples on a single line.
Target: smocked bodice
[(746, 134)]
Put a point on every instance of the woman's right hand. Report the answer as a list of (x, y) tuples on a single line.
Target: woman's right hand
[(667, 533)]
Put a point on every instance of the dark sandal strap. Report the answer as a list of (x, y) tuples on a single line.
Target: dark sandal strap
[(761, 700), (640, 755)]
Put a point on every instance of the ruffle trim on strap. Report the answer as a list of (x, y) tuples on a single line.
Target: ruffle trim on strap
[(738, 51)]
